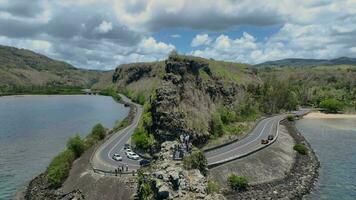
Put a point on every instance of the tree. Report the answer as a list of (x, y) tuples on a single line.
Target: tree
[(76, 145), (292, 101), (216, 125), (331, 105), (237, 182), (196, 160), (98, 132), (142, 139)]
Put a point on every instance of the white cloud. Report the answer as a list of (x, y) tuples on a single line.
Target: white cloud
[(175, 36), (150, 46), (199, 40), (104, 27)]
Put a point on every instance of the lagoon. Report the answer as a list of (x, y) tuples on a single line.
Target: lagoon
[(33, 129)]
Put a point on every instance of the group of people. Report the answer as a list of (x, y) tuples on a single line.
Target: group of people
[(120, 170)]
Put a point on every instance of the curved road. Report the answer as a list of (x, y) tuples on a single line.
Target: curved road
[(249, 144), (102, 158)]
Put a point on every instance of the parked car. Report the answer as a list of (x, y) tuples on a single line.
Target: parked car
[(117, 157), (126, 146), (127, 151), (264, 141), (144, 163), (133, 156), (270, 137)]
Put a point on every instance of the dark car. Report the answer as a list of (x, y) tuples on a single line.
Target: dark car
[(126, 146), (264, 141), (270, 137), (144, 163)]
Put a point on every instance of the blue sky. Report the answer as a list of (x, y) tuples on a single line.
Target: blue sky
[(102, 34)]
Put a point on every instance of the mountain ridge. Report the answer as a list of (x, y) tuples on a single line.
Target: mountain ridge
[(301, 62)]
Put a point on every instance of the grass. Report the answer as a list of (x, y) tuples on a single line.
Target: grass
[(237, 182)]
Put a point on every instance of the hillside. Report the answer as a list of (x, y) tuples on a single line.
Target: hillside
[(20, 68), (298, 62)]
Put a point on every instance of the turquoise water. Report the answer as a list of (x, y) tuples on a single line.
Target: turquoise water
[(334, 141), (33, 129)]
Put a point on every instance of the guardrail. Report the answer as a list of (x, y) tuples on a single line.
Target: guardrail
[(215, 164)]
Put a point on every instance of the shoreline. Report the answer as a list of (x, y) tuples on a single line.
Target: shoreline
[(37, 183), (297, 183), (320, 115)]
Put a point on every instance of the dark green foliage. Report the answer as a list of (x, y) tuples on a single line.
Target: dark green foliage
[(59, 167), (45, 90), (140, 98), (331, 105), (216, 125), (301, 149), (98, 132), (76, 145), (237, 182), (145, 190), (196, 160), (290, 118), (142, 139), (213, 187)]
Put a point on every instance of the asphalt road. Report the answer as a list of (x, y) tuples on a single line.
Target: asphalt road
[(102, 158), (249, 144)]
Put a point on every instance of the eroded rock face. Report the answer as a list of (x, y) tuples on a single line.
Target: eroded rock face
[(184, 102), (171, 181), (131, 73)]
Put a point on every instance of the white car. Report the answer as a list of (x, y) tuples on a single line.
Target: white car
[(132, 156), (117, 157), (127, 151)]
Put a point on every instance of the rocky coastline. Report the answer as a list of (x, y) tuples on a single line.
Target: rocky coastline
[(297, 183)]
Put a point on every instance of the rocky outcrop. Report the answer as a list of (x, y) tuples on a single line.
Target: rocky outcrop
[(131, 73), (39, 188), (169, 180), (189, 93)]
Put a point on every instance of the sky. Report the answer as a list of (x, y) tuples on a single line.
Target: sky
[(102, 34)]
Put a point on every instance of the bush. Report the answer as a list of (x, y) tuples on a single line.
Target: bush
[(98, 132), (290, 118), (227, 116), (237, 182), (213, 187), (331, 105), (216, 125), (76, 145), (142, 139), (140, 98), (59, 167), (196, 160), (301, 149)]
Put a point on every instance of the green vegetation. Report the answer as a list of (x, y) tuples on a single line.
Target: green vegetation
[(237, 182), (196, 160), (216, 125), (290, 118), (145, 190), (332, 88), (98, 132), (142, 138), (331, 105), (301, 149), (110, 91), (44, 90), (58, 169), (76, 145), (213, 187), (60, 166)]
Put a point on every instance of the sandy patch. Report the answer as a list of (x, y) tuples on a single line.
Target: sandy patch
[(319, 115)]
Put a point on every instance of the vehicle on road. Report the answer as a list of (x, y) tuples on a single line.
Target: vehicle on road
[(117, 157), (144, 163), (126, 146), (264, 141), (270, 137), (133, 156), (127, 151)]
